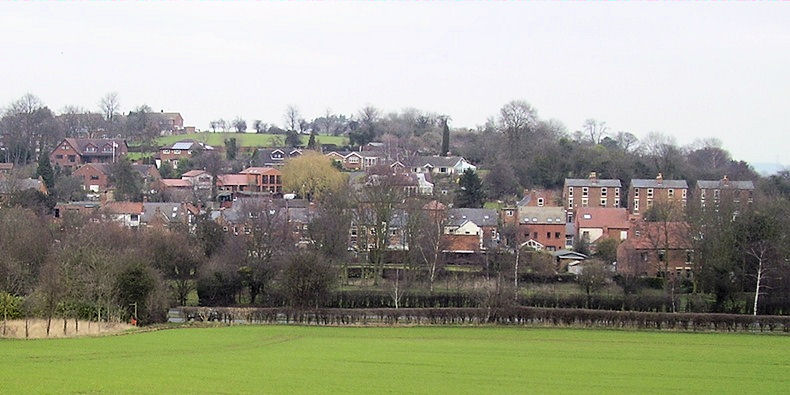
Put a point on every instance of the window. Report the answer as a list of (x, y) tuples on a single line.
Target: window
[(643, 256), (548, 235), (72, 158), (585, 191), (568, 241), (165, 151), (649, 193), (353, 159), (586, 235), (134, 217), (442, 170), (603, 191), (540, 202), (670, 193), (570, 202), (90, 148), (94, 177), (636, 205), (556, 235), (661, 256), (177, 151), (649, 203), (534, 235), (603, 202), (393, 232), (617, 202), (683, 193), (509, 213), (585, 202), (617, 192), (636, 192), (59, 156), (570, 191), (107, 148)]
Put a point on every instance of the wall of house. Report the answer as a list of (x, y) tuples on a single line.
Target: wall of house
[(552, 236), (576, 197), (92, 179), (65, 156), (641, 200)]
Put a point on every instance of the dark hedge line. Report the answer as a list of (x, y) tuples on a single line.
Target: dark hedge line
[(501, 316)]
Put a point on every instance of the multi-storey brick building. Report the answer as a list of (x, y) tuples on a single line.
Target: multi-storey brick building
[(646, 192), (72, 153), (542, 227), (590, 192), (180, 150), (724, 190), (265, 179)]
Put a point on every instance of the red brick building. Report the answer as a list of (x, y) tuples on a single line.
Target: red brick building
[(724, 191), (180, 150), (95, 176), (72, 153), (656, 249), (644, 193), (265, 179), (590, 192), (542, 227)]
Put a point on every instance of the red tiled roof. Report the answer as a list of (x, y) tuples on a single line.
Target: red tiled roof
[(176, 183), (260, 170), (602, 217), (233, 179), (193, 173)]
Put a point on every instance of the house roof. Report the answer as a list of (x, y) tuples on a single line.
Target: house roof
[(105, 168), (531, 196), (568, 254), (602, 217), (188, 145), (261, 170), (81, 144), (176, 183), (722, 184), (592, 182), (233, 179), (12, 185), (124, 207), (479, 216), (171, 212), (654, 235), (194, 173), (435, 161), (541, 215), (658, 182)]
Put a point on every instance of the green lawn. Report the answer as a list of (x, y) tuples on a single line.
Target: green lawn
[(290, 359), (246, 139)]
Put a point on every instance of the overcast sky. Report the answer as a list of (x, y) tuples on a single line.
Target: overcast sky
[(691, 70)]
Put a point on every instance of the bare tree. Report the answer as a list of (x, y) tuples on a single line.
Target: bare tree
[(109, 106), (240, 125), (292, 118), (595, 130)]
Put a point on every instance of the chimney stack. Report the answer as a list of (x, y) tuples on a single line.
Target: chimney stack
[(660, 178), (593, 177), (725, 181)]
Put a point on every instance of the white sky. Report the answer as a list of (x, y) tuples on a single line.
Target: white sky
[(692, 70)]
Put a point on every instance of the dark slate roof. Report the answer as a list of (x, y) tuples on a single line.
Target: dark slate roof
[(653, 183), (173, 211), (479, 216), (80, 144), (586, 182), (719, 184)]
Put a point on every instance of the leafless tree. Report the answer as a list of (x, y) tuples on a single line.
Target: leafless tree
[(292, 118), (109, 106), (595, 130)]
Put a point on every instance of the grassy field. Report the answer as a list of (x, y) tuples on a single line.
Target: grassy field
[(246, 139), (289, 359)]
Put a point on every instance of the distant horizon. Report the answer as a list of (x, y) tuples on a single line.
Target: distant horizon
[(688, 70)]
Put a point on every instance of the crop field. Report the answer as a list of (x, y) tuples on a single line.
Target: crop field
[(293, 359), (246, 139)]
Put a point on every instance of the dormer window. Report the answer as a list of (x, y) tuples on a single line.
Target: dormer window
[(90, 148), (107, 148)]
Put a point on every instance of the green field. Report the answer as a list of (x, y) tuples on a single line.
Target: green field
[(245, 139), (288, 359)]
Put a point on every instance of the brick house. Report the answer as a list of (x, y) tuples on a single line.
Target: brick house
[(460, 223), (357, 160), (590, 192), (168, 122), (95, 176), (180, 150), (232, 183), (542, 227), (72, 153), (724, 190), (594, 223), (265, 179), (126, 213), (541, 198), (656, 249), (645, 192)]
